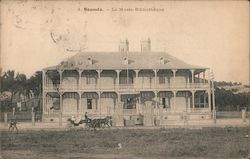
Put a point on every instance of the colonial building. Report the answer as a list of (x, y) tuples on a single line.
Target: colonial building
[(146, 87)]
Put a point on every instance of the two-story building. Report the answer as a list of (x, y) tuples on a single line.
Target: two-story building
[(145, 87)]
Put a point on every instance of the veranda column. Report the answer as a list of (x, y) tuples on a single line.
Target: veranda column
[(155, 71), (44, 103), (199, 99), (193, 92), (174, 71), (117, 78), (213, 100), (188, 105), (204, 77), (204, 99), (117, 91), (43, 93), (61, 102), (192, 73), (156, 104), (80, 79), (174, 100), (99, 79), (209, 96), (60, 73), (99, 92), (80, 110), (44, 82), (136, 79)]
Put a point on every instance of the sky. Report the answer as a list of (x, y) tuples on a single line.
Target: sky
[(38, 34)]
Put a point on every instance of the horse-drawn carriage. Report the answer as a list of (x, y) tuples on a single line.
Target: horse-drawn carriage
[(91, 123)]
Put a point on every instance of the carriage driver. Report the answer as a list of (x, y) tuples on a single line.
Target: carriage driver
[(86, 117)]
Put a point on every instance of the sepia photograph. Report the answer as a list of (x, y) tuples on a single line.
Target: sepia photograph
[(124, 79)]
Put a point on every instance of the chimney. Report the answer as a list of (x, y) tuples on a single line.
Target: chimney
[(146, 45), (124, 46)]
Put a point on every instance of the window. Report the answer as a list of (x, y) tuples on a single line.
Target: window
[(126, 80), (162, 80), (89, 103), (91, 80), (164, 102), (130, 103)]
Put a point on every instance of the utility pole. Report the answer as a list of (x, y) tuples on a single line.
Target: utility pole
[(213, 96)]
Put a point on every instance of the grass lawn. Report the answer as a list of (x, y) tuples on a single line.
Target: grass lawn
[(214, 143)]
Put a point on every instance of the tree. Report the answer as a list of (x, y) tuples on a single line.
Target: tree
[(35, 82), (17, 85)]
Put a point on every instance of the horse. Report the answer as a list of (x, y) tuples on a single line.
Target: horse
[(105, 122), (93, 123)]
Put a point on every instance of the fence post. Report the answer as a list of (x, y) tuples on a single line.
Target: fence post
[(243, 114), (6, 119), (60, 118), (32, 116), (13, 111), (214, 116), (161, 116)]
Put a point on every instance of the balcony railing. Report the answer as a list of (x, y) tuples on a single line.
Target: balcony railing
[(68, 86), (198, 110), (89, 87), (189, 85), (52, 86), (126, 86), (129, 111)]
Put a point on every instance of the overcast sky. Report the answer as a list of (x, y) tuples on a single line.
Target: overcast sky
[(37, 34)]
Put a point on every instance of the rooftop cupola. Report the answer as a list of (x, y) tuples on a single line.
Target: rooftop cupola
[(124, 46), (146, 45)]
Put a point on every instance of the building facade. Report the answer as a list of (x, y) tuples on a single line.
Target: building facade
[(145, 88)]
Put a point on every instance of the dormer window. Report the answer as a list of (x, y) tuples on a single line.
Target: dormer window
[(90, 61), (71, 64), (125, 61), (162, 60), (79, 62)]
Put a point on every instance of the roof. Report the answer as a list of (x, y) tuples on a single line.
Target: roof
[(116, 60)]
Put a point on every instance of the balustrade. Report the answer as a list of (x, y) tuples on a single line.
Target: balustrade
[(129, 111), (198, 110), (140, 86)]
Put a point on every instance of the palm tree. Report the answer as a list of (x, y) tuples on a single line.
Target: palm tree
[(35, 83), (35, 86), (9, 84), (22, 87)]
